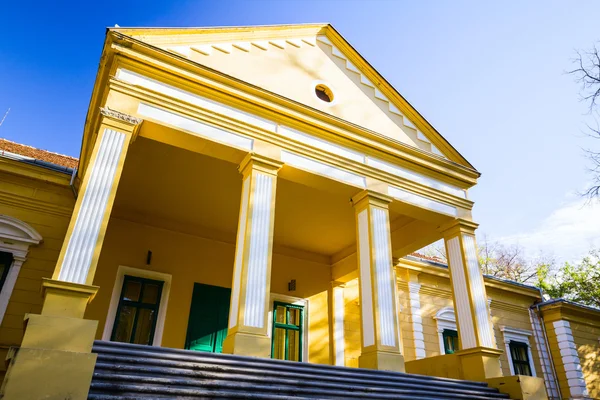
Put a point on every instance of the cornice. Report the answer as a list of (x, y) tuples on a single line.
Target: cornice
[(28, 203), (266, 101), (573, 312), (34, 172), (440, 271)]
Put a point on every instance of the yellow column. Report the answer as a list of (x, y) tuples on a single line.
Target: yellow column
[(479, 353), (55, 359), (248, 316), (380, 347)]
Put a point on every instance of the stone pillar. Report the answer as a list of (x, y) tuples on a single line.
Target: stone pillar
[(479, 353), (248, 316), (569, 361), (380, 347), (55, 353)]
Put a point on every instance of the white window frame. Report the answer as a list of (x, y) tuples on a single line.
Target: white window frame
[(116, 294), (297, 301), (518, 335), (15, 238), (445, 319)]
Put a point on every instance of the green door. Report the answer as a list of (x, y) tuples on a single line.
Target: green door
[(209, 314)]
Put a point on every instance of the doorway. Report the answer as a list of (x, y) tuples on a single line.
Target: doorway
[(209, 315)]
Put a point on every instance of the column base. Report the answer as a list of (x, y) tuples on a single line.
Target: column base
[(382, 360), (247, 344), (66, 299), (520, 387), (54, 360), (480, 363)]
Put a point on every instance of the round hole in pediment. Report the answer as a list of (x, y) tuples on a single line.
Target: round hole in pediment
[(324, 93)]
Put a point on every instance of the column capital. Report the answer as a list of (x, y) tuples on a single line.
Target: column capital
[(458, 226), (120, 121), (371, 197), (254, 161)]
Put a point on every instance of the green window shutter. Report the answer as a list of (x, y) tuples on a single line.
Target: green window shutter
[(209, 314)]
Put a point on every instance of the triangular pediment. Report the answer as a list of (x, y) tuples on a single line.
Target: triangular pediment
[(292, 61)]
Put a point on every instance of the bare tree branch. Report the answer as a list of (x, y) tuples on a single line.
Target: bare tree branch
[(587, 74)]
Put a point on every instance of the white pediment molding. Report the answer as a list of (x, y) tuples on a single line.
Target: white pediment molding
[(207, 49)]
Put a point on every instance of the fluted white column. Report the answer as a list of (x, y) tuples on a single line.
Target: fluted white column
[(470, 299), (339, 344), (83, 242), (377, 283), (248, 314)]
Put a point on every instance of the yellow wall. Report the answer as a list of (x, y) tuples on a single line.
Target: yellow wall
[(352, 325), (47, 208), (508, 309), (585, 327), (435, 294), (557, 359), (192, 259), (512, 310), (587, 340)]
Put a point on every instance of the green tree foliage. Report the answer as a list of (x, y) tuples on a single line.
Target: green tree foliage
[(576, 282)]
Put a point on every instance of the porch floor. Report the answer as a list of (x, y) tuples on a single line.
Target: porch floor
[(128, 371)]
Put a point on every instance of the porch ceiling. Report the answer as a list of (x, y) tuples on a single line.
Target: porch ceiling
[(177, 189)]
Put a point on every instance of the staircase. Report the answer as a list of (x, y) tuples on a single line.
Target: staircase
[(128, 371)]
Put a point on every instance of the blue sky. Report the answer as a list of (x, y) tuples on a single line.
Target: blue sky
[(489, 77)]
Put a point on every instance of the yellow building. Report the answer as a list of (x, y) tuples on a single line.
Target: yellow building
[(259, 191)]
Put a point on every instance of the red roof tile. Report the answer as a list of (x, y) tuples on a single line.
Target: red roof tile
[(436, 259), (39, 154)]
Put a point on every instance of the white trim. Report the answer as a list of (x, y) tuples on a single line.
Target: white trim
[(295, 301), (116, 294), (421, 201), (338, 326), (543, 352), (415, 177), (323, 169), (570, 359), (364, 266), (199, 128), (202, 102), (15, 238), (445, 319), (517, 335), (417, 320), (320, 144)]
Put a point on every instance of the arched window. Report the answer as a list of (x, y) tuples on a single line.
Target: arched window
[(15, 238), (447, 331)]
